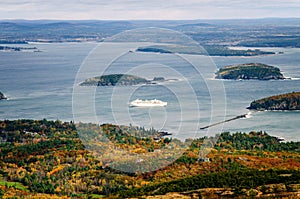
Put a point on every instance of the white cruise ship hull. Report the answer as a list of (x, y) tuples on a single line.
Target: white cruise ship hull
[(148, 103)]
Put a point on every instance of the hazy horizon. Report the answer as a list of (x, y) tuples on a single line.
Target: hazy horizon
[(145, 10), (217, 19)]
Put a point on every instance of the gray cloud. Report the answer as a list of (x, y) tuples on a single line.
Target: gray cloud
[(145, 9)]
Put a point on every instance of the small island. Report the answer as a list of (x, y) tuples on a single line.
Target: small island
[(114, 80), (210, 50), (9, 48), (256, 71), (120, 80), (2, 96), (289, 102)]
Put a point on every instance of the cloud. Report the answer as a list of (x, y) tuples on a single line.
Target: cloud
[(145, 9)]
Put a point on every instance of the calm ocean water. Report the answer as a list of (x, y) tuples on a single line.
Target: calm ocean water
[(40, 85)]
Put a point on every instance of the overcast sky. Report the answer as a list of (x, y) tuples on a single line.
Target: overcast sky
[(147, 9)]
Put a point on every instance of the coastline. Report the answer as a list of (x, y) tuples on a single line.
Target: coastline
[(170, 134)]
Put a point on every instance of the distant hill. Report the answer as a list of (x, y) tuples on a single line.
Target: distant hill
[(273, 32), (289, 101), (256, 71), (59, 31)]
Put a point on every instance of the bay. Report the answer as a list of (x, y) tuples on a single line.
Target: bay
[(40, 85)]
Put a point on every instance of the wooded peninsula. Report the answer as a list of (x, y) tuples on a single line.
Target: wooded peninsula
[(283, 102)]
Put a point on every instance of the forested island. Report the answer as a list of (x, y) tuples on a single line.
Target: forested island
[(256, 71), (114, 80), (204, 50), (2, 96), (8, 41), (47, 159), (289, 101), (9, 48), (119, 80)]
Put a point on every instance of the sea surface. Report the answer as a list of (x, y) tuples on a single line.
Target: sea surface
[(45, 85)]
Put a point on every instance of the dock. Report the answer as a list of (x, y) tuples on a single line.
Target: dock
[(225, 121)]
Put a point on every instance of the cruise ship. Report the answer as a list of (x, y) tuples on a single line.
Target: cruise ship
[(147, 103)]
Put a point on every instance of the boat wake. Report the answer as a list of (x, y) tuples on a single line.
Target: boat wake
[(249, 115), (295, 78)]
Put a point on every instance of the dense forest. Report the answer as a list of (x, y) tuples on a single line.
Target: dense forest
[(50, 159), (240, 180)]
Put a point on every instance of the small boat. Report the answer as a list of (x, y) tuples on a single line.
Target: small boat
[(147, 103)]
